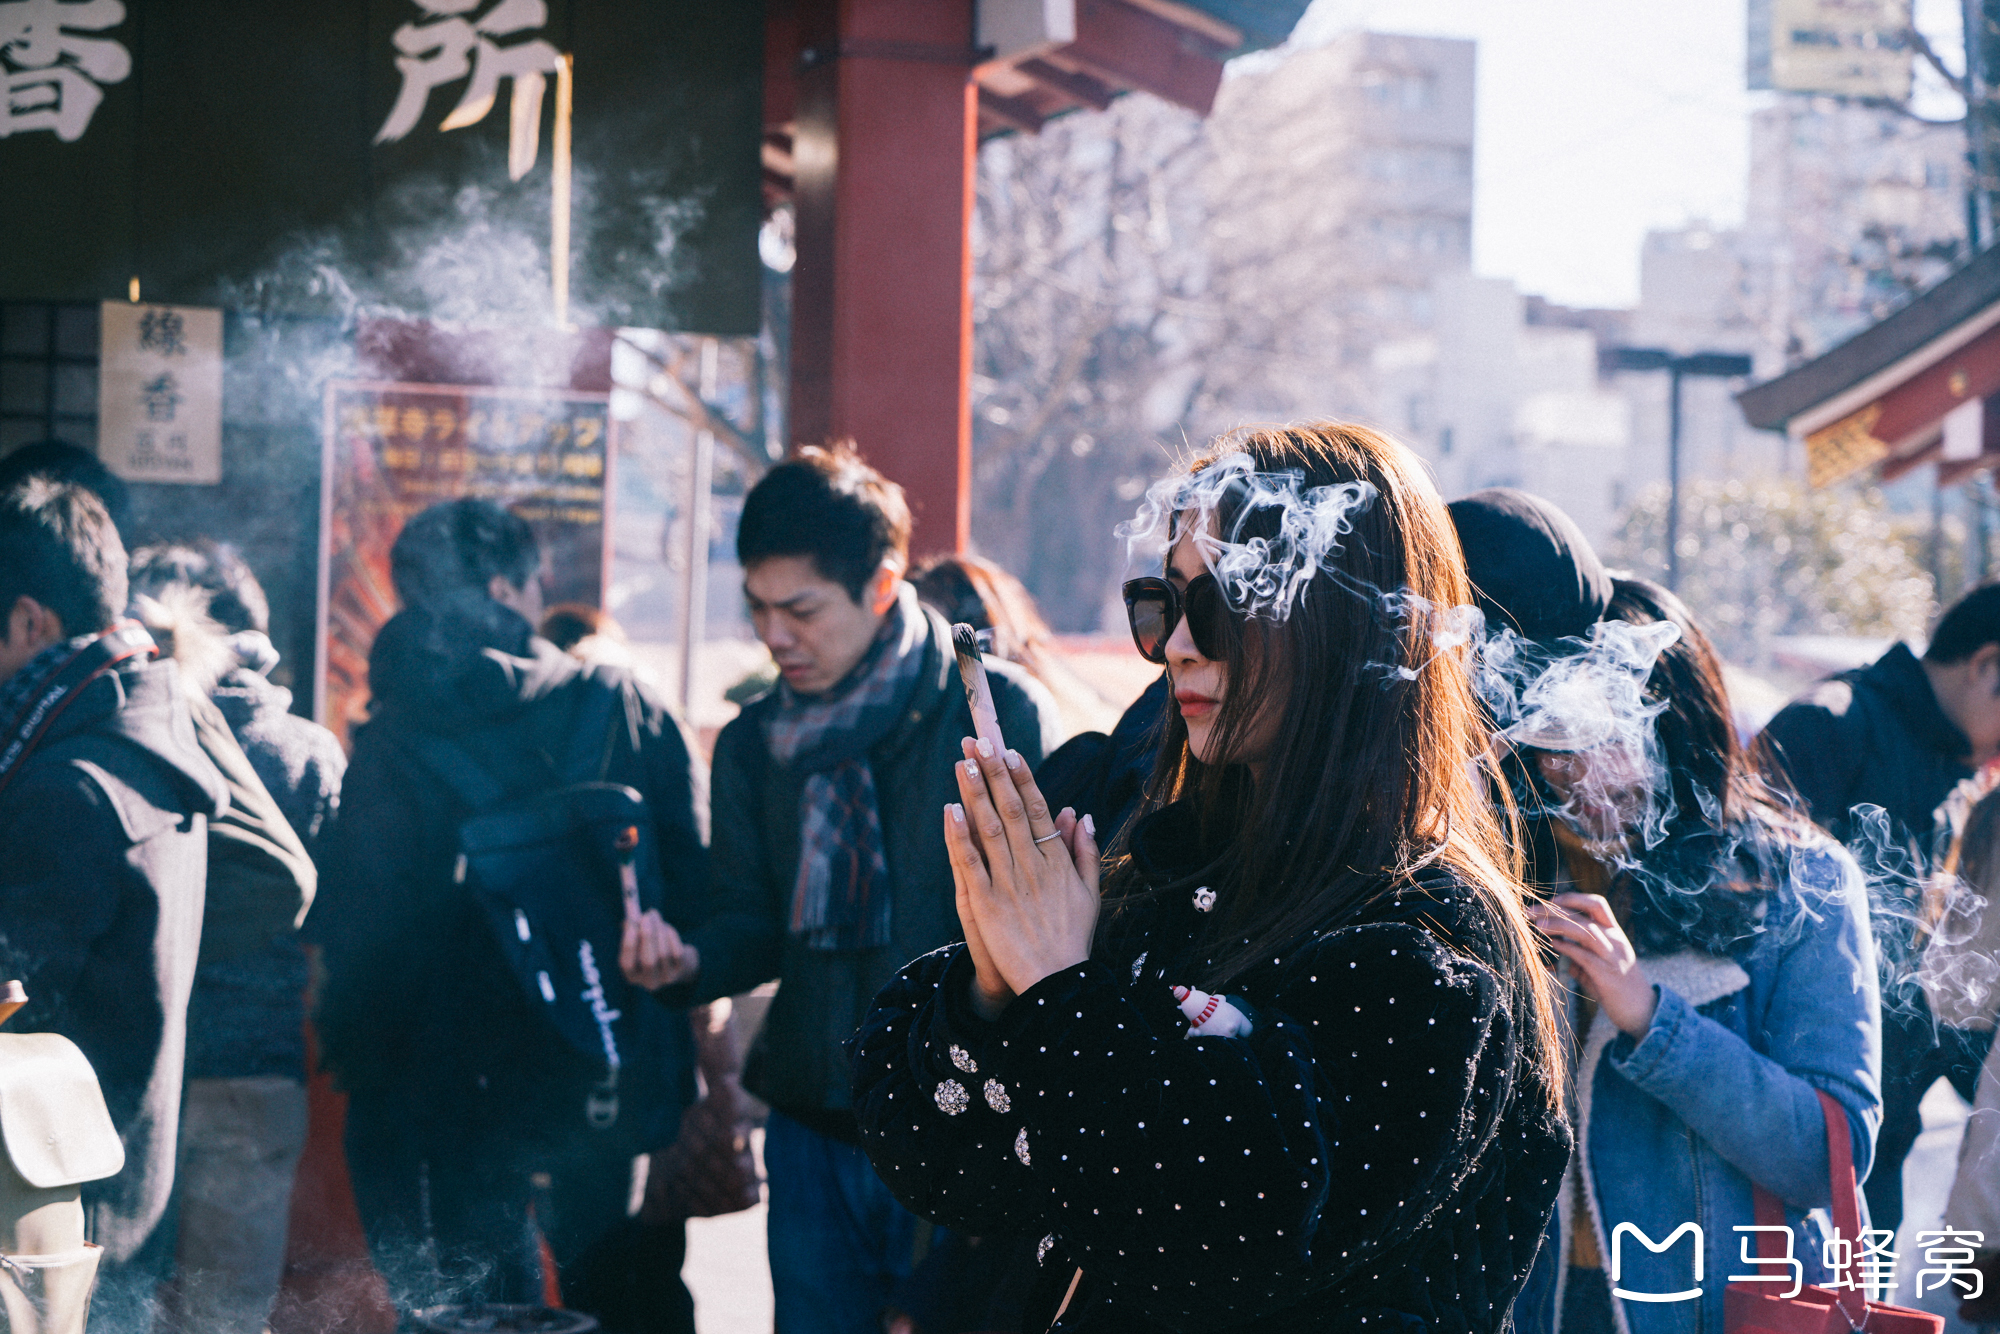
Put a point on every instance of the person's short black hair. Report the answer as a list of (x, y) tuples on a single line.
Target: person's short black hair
[(69, 463), (236, 599), (461, 544), (828, 505), (1968, 625), (59, 547)]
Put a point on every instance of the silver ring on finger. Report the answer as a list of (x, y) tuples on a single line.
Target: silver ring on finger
[(1046, 837)]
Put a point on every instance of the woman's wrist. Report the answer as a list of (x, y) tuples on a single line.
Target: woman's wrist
[(1636, 1018), (989, 1001), (1043, 969)]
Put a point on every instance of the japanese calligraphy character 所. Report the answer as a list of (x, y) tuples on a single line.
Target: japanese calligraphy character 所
[(445, 47), (164, 332), (52, 72), (162, 397)]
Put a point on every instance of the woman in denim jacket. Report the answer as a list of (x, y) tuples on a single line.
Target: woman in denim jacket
[(1723, 974)]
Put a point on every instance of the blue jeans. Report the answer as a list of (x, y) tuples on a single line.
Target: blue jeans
[(839, 1242)]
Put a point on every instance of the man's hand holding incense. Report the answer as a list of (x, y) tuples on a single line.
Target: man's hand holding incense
[(653, 955)]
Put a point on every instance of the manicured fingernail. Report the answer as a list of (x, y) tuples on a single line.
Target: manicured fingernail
[(1090, 826), (972, 768), (985, 748), (1013, 759), (957, 813)]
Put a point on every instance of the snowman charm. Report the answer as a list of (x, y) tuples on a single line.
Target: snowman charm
[(1210, 1016)]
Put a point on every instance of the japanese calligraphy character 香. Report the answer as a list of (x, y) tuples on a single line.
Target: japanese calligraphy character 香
[(53, 71)]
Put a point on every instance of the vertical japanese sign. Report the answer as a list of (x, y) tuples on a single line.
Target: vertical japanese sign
[(394, 449), (160, 393)]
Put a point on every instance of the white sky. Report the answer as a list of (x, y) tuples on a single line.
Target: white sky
[(1598, 120)]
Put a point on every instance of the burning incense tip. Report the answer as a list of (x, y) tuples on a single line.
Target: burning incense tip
[(978, 695)]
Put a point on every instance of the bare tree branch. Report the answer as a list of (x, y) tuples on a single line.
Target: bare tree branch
[(1901, 109), (693, 408), (1922, 46)]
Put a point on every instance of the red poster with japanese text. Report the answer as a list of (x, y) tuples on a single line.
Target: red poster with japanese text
[(394, 449)]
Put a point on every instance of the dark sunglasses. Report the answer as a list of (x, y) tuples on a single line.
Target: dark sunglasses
[(1155, 607)]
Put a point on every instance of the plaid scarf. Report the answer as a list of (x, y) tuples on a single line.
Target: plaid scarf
[(841, 898), (47, 683)]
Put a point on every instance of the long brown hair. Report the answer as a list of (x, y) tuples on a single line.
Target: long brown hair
[(1723, 822), (1372, 772)]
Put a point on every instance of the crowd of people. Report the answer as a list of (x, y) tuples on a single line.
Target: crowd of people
[(1428, 921)]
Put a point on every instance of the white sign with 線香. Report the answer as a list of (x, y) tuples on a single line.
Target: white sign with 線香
[(160, 393)]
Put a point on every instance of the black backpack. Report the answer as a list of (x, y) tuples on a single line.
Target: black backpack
[(554, 869)]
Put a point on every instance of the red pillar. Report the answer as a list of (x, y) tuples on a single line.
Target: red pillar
[(884, 145)]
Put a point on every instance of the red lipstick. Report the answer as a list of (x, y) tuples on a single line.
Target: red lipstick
[(1194, 704)]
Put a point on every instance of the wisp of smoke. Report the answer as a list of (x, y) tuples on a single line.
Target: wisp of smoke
[(1581, 704), (1584, 699), (1580, 707), (1261, 573), (1593, 697)]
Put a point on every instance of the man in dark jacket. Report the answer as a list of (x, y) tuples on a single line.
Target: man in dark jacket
[(1899, 734), (243, 1122), (829, 857), (466, 1109), (105, 800)]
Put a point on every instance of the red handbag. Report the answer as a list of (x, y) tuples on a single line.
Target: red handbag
[(1751, 1308)]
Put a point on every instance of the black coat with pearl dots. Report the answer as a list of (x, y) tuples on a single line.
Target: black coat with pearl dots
[(1376, 1154)]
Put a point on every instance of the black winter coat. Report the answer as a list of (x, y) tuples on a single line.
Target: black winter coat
[(797, 1063), (1874, 735), (247, 1014), (103, 860), (418, 1000), (1376, 1153)]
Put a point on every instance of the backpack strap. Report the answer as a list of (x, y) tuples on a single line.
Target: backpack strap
[(593, 739), (593, 733), (454, 765)]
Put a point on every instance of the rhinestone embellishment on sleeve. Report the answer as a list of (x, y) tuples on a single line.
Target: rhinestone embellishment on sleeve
[(996, 1096), (1204, 899), (952, 1097), (1021, 1147), (962, 1058), (1043, 1247)]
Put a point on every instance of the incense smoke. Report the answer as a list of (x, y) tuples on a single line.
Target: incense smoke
[(1261, 575)]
